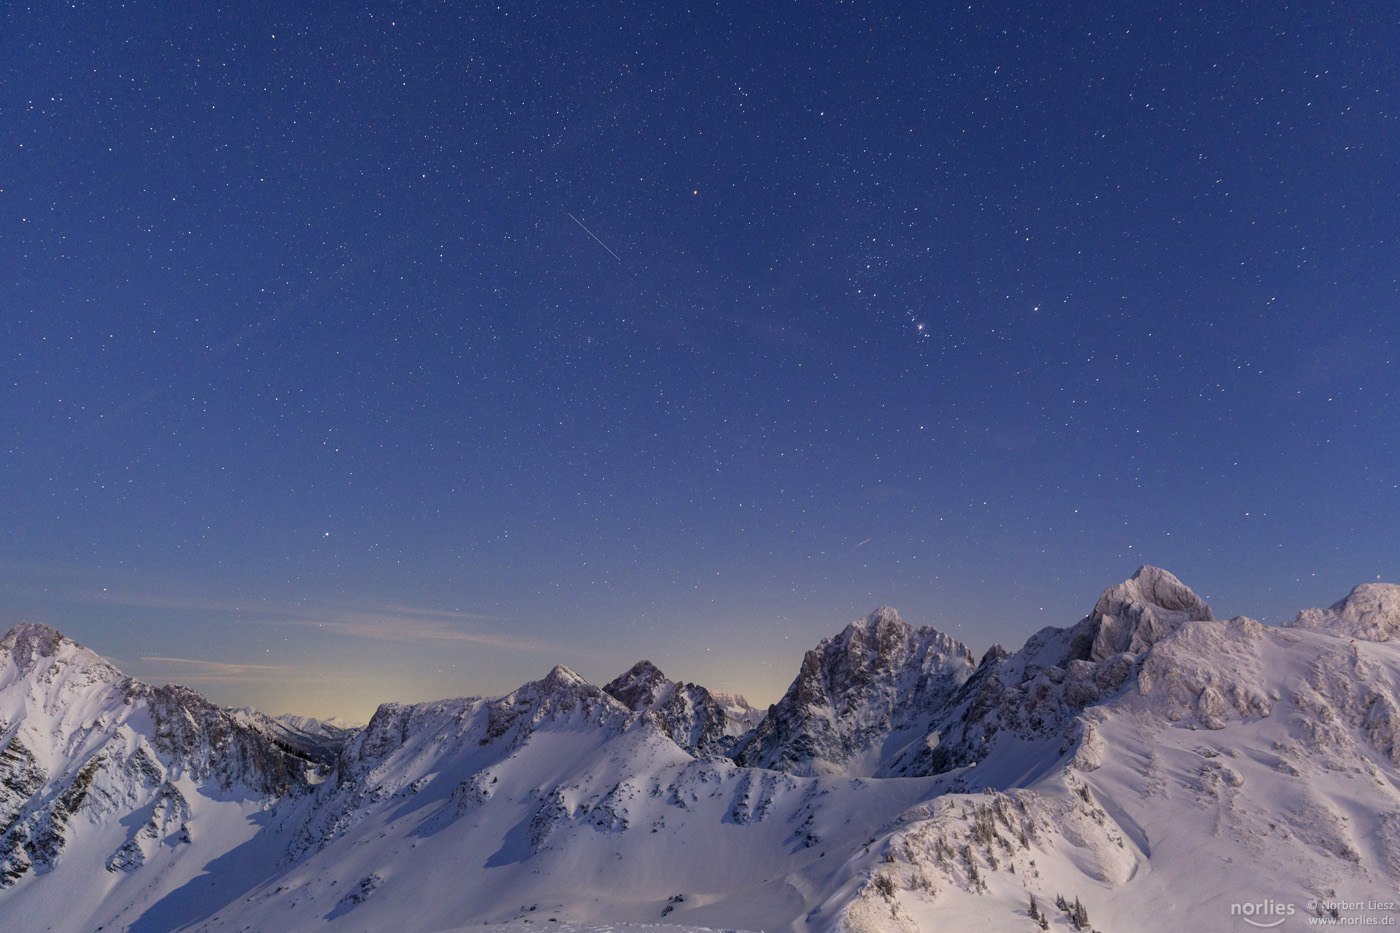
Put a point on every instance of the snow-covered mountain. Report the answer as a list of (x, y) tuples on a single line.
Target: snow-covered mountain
[(1210, 775), (317, 740), (701, 722), (104, 777), (860, 699), (1370, 612), (1037, 694), (1146, 768)]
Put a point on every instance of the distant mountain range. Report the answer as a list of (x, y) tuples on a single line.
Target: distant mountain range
[(1144, 769)]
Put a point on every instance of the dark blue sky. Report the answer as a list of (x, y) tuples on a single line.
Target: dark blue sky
[(390, 351)]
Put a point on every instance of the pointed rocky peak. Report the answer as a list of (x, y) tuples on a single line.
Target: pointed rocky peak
[(30, 639), (643, 670), (37, 650), (560, 689), (881, 627), (1140, 611), (882, 617), (31, 643), (697, 720), (640, 687), (1370, 612), (559, 696), (880, 642), (995, 655), (561, 678), (877, 677)]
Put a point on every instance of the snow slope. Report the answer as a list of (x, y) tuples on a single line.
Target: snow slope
[(1239, 773), (1147, 768), (129, 787)]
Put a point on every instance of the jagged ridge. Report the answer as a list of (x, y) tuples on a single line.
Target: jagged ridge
[(880, 682), (76, 734), (1150, 741), (697, 720)]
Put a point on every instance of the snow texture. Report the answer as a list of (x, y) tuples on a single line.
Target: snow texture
[(1147, 768), (1371, 612)]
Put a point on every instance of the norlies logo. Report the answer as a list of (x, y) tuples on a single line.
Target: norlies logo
[(1266, 913)]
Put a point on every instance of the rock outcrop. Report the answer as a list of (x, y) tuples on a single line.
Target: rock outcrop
[(859, 697), (697, 720)]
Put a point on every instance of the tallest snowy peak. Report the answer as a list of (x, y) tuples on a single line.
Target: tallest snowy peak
[(1142, 610), (883, 615), (880, 626)]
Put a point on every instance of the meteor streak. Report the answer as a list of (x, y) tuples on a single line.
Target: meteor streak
[(595, 236)]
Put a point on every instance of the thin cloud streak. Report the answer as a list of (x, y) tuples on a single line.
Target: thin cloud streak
[(403, 628), (269, 607), (194, 670), (387, 623)]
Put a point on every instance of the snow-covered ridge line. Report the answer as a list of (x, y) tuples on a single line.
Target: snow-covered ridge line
[(1095, 773)]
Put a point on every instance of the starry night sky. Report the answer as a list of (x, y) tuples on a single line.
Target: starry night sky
[(368, 351)]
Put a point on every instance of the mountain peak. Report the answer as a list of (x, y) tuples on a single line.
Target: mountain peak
[(1370, 612), (643, 670), (884, 615), (1140, 611), (879, 676), (562, 677), (32, 644), (33, 639), (640, 687), (881, 623), (695, 719)]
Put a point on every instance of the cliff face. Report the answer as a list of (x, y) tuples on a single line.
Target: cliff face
[(858, 698), (701, 722), (80, 744)]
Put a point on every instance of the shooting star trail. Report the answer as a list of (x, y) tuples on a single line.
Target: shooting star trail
[(595, 236), (866, 541)]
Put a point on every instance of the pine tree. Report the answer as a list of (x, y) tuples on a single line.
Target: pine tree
[(1078, 916), (1038, 916)]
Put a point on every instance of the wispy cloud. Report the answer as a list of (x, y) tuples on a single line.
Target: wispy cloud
[(379, 622), (195, 671), (403, 626)]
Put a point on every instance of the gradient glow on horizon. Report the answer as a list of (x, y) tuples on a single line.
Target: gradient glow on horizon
[(356, 353)]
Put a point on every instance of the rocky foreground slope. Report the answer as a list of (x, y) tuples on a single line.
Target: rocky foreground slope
[(1149, 767)]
